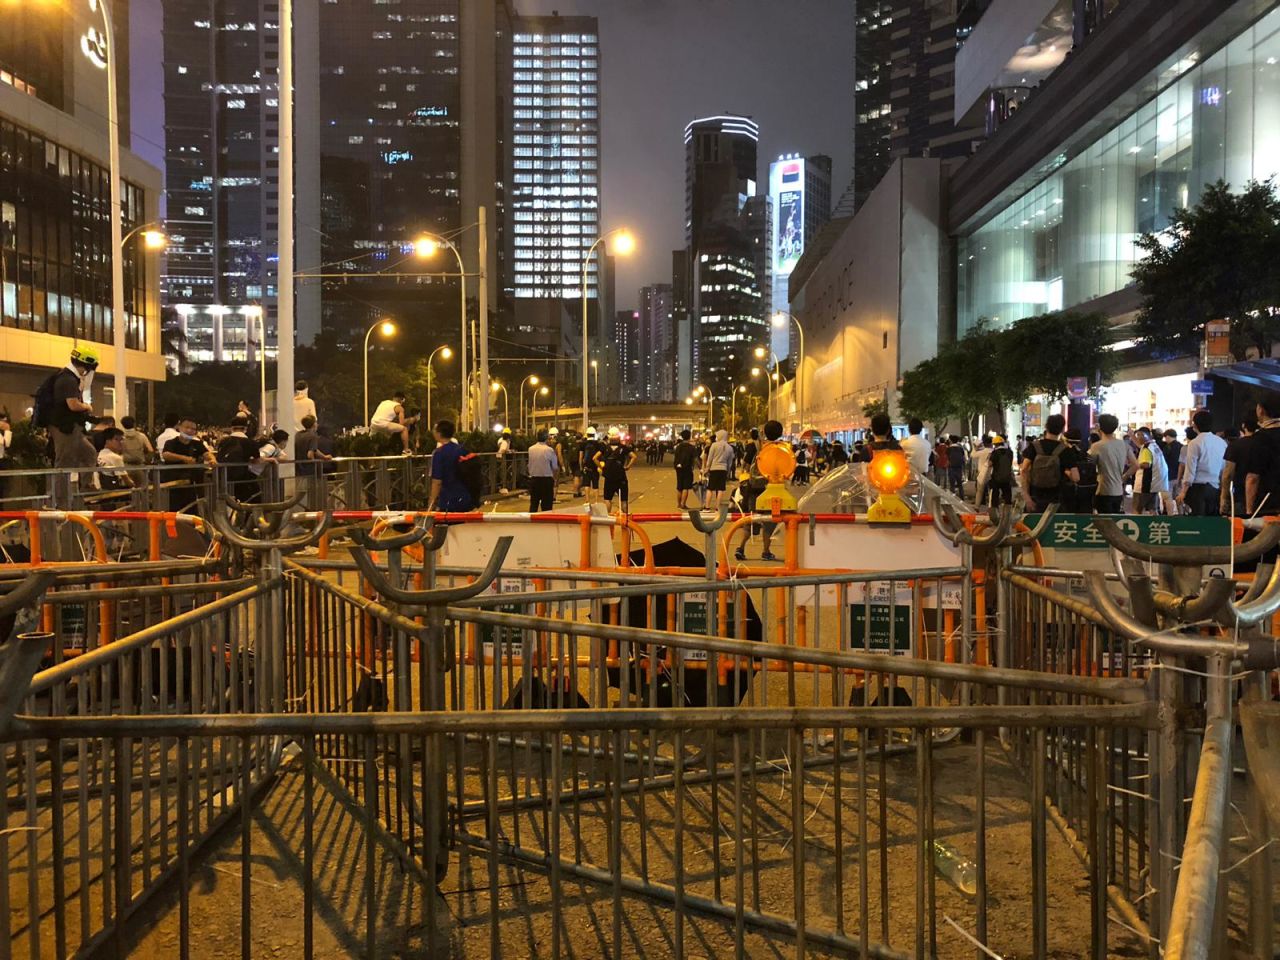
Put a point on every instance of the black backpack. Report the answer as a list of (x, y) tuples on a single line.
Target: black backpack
[(42, 402), (1002, 465), (470, 473)]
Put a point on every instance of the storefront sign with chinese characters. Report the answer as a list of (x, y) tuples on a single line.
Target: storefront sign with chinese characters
[(1217, 342)]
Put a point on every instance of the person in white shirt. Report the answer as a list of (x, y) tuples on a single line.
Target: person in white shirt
[(111, 473), (1203, 468), (390, 419), (303, 405), (981, 469), (504, 462), (917, 447), (169, 432)]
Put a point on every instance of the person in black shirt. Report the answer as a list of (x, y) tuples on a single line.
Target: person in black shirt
[(686, 455), (881, 437), (235, 452), (588, 470), (1262, 483), (1048, 465), (1235, 468), (186, 448)]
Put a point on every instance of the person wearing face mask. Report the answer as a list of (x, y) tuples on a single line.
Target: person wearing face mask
[(186, 448)]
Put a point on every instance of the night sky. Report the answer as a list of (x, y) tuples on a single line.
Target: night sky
[(786, 63)]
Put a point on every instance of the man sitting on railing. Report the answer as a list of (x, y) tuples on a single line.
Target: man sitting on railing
[(111, 473), (390, 419)]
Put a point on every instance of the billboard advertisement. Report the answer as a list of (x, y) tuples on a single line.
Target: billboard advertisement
[(786, 184)]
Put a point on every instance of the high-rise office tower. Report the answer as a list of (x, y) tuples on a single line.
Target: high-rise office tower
[(904, 69), (222, 178), (657, 344), (413, 128), (724, 306), (627, 346), (555, 185), (55, 238), (800, 195)]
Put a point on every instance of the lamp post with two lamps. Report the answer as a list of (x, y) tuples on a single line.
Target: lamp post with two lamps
[(387, 329), (770, 376)]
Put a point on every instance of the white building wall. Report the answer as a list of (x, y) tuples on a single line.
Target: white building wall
[(871, 308)]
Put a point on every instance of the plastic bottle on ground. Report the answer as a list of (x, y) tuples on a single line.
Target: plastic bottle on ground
[(956, 868)]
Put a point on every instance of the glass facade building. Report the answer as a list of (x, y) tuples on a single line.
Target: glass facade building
[(1070, 236), (555, 195), (55, 242)]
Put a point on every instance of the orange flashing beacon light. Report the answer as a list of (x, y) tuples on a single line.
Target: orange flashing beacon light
[(888, 472)]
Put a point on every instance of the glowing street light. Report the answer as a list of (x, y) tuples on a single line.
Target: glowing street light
[(780, 320), (494, 387), (624, 244), (733, 407), (426, 246), (446, 352), (387, 329), (540, 392), (533, 380)]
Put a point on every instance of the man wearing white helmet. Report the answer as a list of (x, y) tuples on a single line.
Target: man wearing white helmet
[(614, 461), (61, 408), (588, 470)]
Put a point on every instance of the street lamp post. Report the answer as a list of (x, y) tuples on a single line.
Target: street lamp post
[(446, 352), (780, 320), (424, 247), (532, 379), (495, 386), (533, 414), (625, 245), (256, 312), (733, 409), (595, 378), (387, 329), (100, 48)]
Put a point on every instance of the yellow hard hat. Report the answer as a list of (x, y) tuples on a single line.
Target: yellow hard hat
[(85, 354)]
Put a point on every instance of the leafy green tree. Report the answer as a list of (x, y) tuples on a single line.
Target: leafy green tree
[(925, 392), (1039, 354), (1216, 261)]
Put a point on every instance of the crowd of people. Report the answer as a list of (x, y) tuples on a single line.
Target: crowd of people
[(1200, 471)]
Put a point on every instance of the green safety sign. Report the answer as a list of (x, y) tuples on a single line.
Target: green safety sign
[(1072, 531), (508, 638), (694, 620), (890, 630)]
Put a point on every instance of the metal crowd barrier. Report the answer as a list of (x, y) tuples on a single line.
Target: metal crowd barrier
[(822, 758)]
